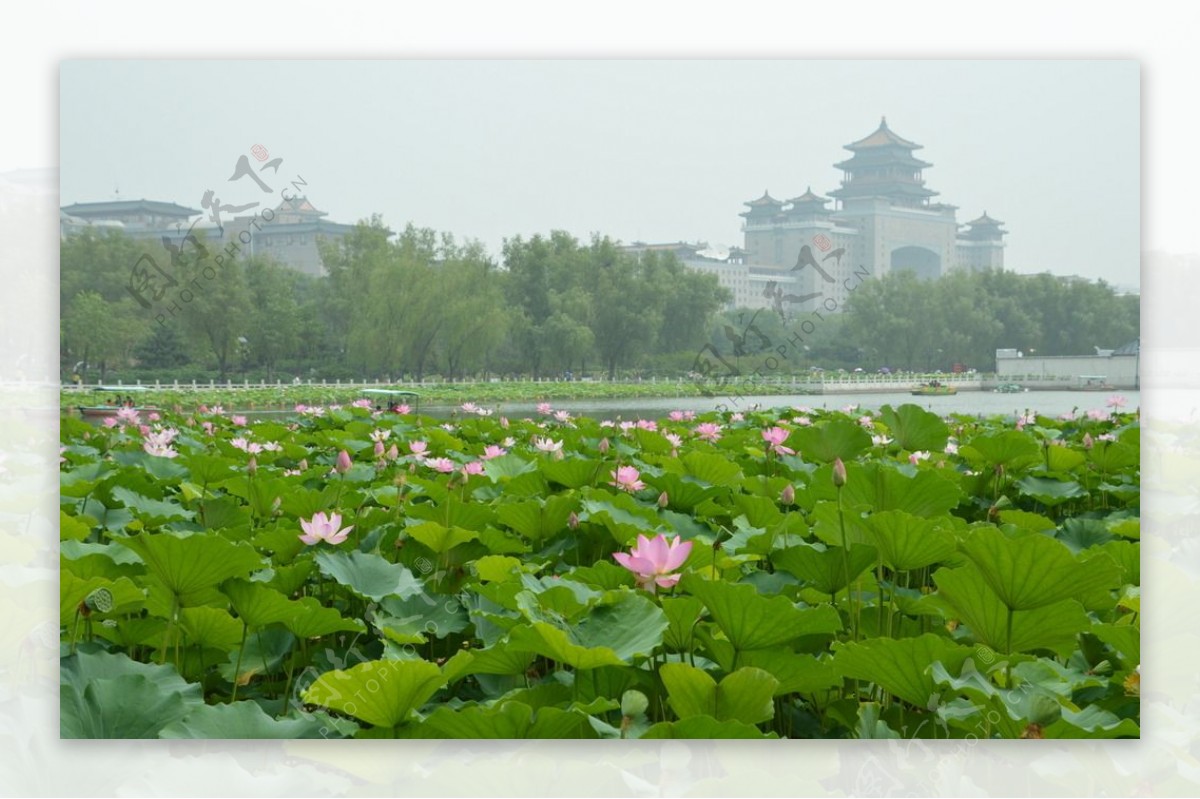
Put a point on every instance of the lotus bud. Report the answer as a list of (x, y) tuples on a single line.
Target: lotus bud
[(379, 449), (1088, 443), (604, 445), (839, 473), (663, 500), (302, 465), (788, 495), (252, 465), (343, 462), (276, 506), (393, 453), (573, 521)]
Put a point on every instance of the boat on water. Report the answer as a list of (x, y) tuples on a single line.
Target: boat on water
[(121, 398), (394, 398), (1009, 388), (934, 389), (1093, 383)]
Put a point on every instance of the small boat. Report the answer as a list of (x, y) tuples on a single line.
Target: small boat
[(1009, 388), (117, 405), (1093, 383), (934, 389), (394, 398)]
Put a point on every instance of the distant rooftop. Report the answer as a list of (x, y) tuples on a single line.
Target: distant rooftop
[(110, 208)]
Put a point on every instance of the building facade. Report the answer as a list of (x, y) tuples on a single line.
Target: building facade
[(883, 219), (289, 235)]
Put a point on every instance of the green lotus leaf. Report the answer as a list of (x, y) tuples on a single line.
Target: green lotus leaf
[(189, 564), (384, 693), (508, 719), (538, 519), (915, 428), (908, 542), (1054, 626), (439, 538), (1050, 491), (248, 720), (827, 571), (368, 575), (1033, 570), (746, 695), (901, 666), (704, 727), (829, 441), (752, 621)]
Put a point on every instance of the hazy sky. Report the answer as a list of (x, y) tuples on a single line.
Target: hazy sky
[(638, 150)]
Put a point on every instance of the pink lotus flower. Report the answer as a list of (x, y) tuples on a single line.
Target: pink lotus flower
[(1116, 401), (647, 424), (1106, 437), (474, 467), (603, 446), (653, 559), (492, 451), (110, 421), (272, 446), (803, 421), (737, 417), (1088, 443), (951, 448), (129, 415), (217, 410), (324, 528), (775, 436), (508, 441), (626, 426), (867, 422), (544, 408), (379, 434), (788, 495), (626, 479), (418, 449), (549, 446), (379, 449), (238, 421), (504, 422), (402, 408), (918, 456), (1097, 414), (675, 441), (154, 417), (251, 447), (469, 407), (881, 441), (675, 416), (443, 465), (562, 416), (708, 431), (362, 403), (343, 462)]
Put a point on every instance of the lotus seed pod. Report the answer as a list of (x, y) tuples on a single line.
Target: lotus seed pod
[(100, 600), (633, 703)]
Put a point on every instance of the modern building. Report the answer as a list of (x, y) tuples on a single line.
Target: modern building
[(289, 234), (1108, 368), (883, 219), (750, 285)]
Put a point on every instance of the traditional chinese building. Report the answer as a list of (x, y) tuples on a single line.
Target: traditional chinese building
[(884, 218), (288, 234)]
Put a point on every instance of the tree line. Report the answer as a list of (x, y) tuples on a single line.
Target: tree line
[(421, 303), (408, 306)]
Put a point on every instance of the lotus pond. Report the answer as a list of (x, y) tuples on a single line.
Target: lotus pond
[(785, 573)]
